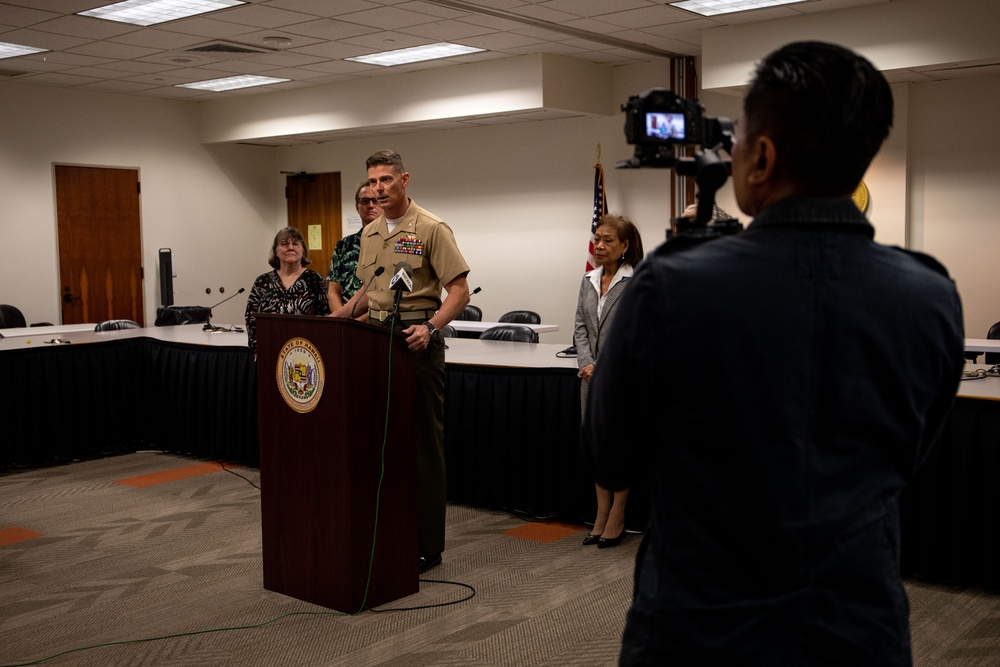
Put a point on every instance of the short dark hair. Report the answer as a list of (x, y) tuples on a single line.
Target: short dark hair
[(827, 109), (387, 157), (286, 233), (626, 231)]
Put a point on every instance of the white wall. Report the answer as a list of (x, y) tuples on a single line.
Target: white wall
[(214, 206), (954, 196), (517, 196)]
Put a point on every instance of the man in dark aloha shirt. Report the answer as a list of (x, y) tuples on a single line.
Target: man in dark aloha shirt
[(342, 279)]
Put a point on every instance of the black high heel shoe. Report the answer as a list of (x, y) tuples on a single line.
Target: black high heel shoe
[(591, 539), (608, 542)]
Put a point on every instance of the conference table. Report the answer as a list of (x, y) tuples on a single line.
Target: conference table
[(512, 409), (45, 331), (511, 428), (982, 345)]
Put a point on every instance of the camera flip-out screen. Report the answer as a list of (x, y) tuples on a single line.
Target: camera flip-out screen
[(665, 126)]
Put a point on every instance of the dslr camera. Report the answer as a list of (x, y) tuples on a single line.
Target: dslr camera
[(658, 120)]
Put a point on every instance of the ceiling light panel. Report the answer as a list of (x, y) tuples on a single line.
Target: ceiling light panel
[(13, 50), (415, 54), (232, 83), (716, 7), (151, 12)]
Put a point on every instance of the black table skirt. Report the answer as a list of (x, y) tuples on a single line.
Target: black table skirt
[(512, 441), (205, 401), (951, 510), (68, 402)]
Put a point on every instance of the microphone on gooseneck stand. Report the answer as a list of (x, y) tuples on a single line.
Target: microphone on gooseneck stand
[(208, 325), (401, 282), (364, 288)]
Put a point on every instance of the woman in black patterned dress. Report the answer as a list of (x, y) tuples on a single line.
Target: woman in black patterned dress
[(291, 288)]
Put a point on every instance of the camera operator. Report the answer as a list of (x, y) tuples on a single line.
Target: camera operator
[(783, 385)]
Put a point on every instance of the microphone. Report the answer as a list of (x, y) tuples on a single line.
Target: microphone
[(402, 281), (364, 288), (476, 291), (208, 325)]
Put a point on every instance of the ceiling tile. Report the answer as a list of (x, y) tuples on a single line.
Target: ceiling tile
[(593, 7), (209, 28), (62, 79), (323, 7), (113, 50), (158, 39), (328, 29), (42, 40), (262, 16), (23, 16), (388, 18), (386, 41), (447, 31)]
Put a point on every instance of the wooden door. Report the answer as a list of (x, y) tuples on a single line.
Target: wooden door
[(100, 248), (314, 210)]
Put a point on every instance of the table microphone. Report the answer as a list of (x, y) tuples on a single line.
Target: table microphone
[(364, 288), (208, 325)]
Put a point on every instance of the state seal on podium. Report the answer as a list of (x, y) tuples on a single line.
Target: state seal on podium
[(300, 374)]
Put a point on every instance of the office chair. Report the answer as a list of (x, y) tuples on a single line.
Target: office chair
[(116, 325), (471, 314), (11, 317), (994, 334), (513, 332), (449, 331), (521, 317)]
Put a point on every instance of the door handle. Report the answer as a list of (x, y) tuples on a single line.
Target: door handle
[(69, 298)]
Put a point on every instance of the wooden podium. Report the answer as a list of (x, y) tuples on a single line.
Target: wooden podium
[(336, 531)]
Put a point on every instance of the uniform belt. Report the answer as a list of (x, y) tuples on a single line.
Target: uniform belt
[(404, 316)]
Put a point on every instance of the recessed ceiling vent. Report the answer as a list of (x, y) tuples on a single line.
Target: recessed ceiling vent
[(227, 49)]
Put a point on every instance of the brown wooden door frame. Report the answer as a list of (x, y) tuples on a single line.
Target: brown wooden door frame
[(100, 243)]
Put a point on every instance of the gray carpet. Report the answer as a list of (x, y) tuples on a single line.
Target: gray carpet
[(170, 574)]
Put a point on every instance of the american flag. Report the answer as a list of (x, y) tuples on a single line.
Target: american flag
[(600, 208)]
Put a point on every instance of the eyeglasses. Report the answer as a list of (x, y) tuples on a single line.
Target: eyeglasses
[(365, 201)]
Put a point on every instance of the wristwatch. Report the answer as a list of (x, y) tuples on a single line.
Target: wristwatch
[(433, 329)]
